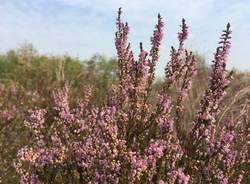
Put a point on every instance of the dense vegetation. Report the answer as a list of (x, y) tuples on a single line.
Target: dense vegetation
[(107, 120)]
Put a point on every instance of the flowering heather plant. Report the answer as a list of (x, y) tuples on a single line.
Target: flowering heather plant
[(130, 140), (13, 135)]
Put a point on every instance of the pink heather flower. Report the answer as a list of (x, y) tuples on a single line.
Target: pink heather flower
[(143, 69), (121, 35), (190, 72), (31, 179), (155, 43), (165, 124), (161, 182), (156, 39), (156, 148), (129, 139), (216, 90), (36, 119), (178, 176), (239, 180), (83, 103), (174, 68), (182, 36), (61, 98)]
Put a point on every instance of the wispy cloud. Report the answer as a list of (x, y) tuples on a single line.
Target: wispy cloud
[(84, 27)]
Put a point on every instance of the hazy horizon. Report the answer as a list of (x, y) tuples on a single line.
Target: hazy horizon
[(82, 28)]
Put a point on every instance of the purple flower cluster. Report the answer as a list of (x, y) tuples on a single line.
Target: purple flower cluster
[(131, 140)]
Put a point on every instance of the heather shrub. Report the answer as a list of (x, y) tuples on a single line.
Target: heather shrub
[(136, 138), (27, 80), (14, 102)]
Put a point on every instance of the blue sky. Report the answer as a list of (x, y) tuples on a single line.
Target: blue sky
[(84, 27)]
